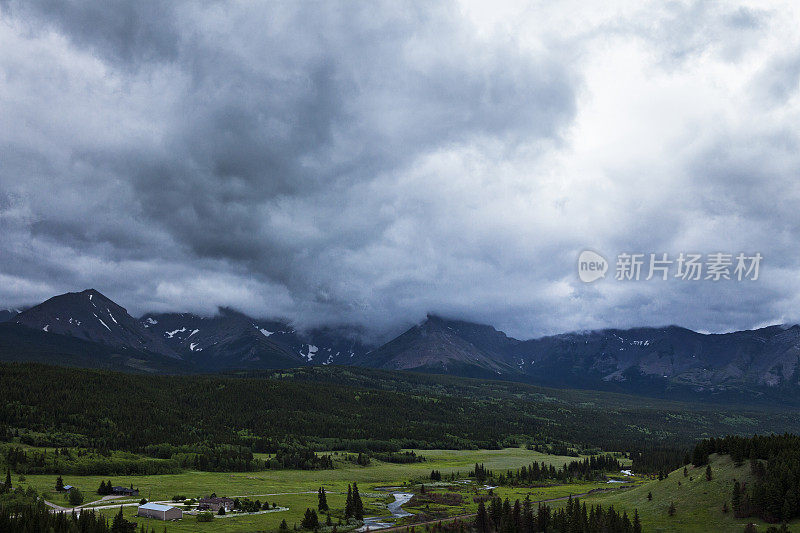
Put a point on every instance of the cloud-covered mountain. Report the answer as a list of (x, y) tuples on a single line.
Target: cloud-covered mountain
[(660, 358), (446, 347), (659, 361), (231, 339), (8, 314)]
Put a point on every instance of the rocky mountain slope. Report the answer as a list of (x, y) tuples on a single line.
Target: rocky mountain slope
[(446, 347), (8, 314), (642, 360), (90, 316)]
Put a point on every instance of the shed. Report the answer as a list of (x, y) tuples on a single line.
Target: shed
[(159, 511)]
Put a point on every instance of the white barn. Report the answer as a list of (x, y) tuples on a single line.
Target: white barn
[(160, 511)]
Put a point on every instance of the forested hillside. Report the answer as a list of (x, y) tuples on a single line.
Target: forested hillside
[(335, 408)]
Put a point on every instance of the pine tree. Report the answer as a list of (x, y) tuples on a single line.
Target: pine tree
[(685, 472), (8, 486), (709, 475), (59, 484), (284, 526), (358, 506), (348, 505), (482, 519), (650, 496), (671, 510), (323, 500), (120, 525), (637, 523), (310, 520)]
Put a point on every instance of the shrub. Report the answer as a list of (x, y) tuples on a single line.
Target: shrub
[(75, 497), (205, 517)]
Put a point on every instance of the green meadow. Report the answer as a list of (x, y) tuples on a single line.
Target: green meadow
[(296, 489)]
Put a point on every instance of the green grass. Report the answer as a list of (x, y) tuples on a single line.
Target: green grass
[(698, 502), (192, 483), (286, 487)]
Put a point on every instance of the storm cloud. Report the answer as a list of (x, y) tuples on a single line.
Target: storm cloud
[(369, 163)]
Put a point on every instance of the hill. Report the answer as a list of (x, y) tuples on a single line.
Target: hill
[(698, 502), (328, 406)]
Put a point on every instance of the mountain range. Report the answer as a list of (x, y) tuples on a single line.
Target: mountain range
[(88, 329)]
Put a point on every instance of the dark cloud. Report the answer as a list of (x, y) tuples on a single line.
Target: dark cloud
[(126, 33), (370, 163)]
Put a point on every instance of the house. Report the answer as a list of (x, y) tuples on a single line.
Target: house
[(67, 488), (214, 504), (125, 491), (159, 511)]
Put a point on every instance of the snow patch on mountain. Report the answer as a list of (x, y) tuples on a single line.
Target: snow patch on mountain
[(171, 334), (312, 350)]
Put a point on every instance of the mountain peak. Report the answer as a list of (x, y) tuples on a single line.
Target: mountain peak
[(91, 316)]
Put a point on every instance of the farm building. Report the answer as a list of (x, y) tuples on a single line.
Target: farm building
[(159, 511), (67, 488), (213, 504)]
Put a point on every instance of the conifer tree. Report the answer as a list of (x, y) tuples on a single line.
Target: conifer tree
[(637, 523), (482, 519), (358, 506), (8, 486), (348, 505), (736, 498), (323, 500), (59, 484), (310, 520)]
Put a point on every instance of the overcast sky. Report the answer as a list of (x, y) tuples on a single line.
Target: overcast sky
[(368, 163)]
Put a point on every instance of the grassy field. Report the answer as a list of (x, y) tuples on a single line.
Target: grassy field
[(296, 489), (698, 502), (193, 483)]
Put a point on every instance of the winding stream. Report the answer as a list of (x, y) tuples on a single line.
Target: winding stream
[(375, 522)]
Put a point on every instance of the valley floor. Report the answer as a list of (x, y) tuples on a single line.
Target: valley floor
[(698, 502)]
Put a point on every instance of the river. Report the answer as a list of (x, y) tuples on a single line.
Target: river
[(376, 522)]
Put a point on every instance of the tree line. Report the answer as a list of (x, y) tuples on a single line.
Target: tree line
[(588, 469), (500, 516), (774, 493)]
